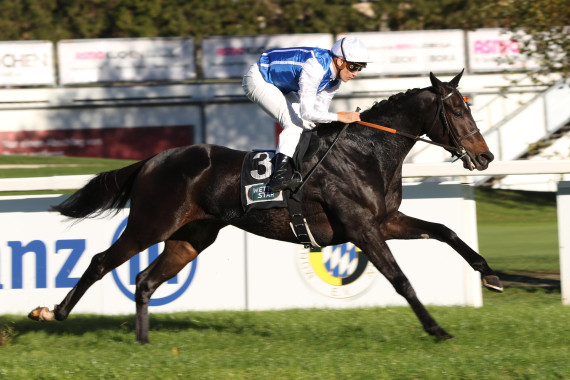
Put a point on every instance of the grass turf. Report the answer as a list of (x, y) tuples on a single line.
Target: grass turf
[(517, 335)]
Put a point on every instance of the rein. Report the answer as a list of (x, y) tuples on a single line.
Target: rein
[(458, 150), (402, 133)]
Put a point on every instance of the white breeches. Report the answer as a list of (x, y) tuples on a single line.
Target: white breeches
[(283, 108)]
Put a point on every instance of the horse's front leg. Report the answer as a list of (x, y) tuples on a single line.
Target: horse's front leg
[(379, 254), (401, 226)]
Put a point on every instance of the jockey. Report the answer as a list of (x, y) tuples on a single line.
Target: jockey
[(295, 86)]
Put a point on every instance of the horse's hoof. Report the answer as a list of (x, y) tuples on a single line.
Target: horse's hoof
[(445, 336), (439, 334), (492, 282), (41, 314)]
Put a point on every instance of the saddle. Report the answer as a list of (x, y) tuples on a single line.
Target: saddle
[(256, 171)]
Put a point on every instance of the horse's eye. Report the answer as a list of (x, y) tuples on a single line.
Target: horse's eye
[(457, 113)]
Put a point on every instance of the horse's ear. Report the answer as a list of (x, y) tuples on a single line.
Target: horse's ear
[(455, 81), (436, 83)]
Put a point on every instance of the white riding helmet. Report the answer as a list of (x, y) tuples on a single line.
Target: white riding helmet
[(351, 49)]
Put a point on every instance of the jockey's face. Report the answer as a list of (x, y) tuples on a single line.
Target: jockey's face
[(347, 70)]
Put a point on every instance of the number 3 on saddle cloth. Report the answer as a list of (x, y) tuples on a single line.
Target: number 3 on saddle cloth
[(256, 171)]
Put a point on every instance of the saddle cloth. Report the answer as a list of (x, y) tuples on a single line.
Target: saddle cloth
[(255, 174)]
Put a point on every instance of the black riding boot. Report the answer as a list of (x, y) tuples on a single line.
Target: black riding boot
[(280, 179)]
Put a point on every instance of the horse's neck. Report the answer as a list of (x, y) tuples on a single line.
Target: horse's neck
[(407, 113), (378, 151)]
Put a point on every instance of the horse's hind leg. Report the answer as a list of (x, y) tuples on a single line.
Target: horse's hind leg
[(176, 255), (102, 263), (194, 238), (401, 226)]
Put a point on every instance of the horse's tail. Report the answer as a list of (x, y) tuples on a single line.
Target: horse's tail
[(109, 190)]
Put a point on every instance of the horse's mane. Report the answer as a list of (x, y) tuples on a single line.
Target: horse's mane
[(381, 108), (394, 98)]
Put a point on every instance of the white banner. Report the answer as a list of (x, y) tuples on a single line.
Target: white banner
[(42, 256), (25, 63), (229, 57), (137, 59), (414, 52), (495, 50)]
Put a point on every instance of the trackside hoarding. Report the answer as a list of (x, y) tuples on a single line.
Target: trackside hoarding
[(118, 59), (413, 52), (42, 256), (25, 63), (173, 59), (230, 57), (492, 50)]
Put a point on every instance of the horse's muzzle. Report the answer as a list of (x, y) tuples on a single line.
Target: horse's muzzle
[(483, 160)]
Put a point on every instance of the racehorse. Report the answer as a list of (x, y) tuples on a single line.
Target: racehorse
[(184, 196)]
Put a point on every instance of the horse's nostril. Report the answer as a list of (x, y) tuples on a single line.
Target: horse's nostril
[(485, 158)]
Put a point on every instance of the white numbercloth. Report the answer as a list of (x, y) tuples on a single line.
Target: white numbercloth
[(287, 109)]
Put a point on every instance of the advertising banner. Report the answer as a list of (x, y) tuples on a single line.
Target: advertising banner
[(439, 51), (24, 63), (42, 256), (495, 50), (230, 57), (136, 60), (134, 143)]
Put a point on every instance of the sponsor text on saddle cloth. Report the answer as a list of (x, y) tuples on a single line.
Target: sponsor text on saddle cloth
[(255, 173)]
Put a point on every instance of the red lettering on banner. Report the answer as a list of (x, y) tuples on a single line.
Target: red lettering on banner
[(405, 46), (230, 51), (127, 143), (496, 46), (90, 55)]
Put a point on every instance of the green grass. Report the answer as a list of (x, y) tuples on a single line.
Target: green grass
[(523, 333), (516, 335), (38, 166), (518, 230), (51, 166)]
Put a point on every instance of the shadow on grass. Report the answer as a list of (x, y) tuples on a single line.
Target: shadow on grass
[(531, 281), (85, 323), (238, 323)]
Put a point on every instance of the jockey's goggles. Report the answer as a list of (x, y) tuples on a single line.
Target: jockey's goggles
[(353, 66)]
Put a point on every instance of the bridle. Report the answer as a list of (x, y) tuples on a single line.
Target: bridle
[(456, 150)]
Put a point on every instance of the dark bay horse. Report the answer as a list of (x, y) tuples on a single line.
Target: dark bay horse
[(184, 196)]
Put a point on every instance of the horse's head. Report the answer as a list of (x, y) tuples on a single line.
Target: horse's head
[(458, 129)]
